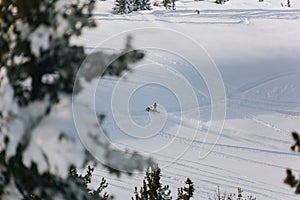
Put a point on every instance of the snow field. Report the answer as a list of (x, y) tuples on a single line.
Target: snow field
[(256, 48)]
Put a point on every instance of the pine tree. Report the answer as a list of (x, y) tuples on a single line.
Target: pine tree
[(152, 183), (128, 6), (123, 6), (146, 5), (142, 5), (186, 192), (152, 188), (41, 40)]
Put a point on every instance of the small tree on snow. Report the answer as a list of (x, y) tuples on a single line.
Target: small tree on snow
[(290, 179), (218, 195), (186, 192)]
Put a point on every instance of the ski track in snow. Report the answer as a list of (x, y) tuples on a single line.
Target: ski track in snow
[(257, 95)]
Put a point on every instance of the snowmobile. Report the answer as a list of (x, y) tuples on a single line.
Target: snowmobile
[(152, 108)]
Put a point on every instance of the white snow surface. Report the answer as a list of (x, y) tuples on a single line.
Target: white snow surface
[(255, 46)]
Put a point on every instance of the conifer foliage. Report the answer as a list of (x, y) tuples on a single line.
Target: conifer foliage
[(142, 5), (35, 35), (186, 193), (33, 185), (86, 180), (128, 6), (123, 6), (152, 189)]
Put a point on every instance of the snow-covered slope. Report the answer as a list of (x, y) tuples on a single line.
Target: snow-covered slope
[(252, 48)]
